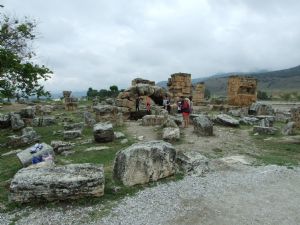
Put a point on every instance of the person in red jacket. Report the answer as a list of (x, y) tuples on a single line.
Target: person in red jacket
[(185, 109)]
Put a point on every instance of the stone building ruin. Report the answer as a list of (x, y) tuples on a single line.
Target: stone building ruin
[(198, 93), (180, 84), (70, 102), (241, 90), (296, 116)]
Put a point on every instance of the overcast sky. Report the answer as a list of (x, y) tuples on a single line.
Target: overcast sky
[(97, 43)]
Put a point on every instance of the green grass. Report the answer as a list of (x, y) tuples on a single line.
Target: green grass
[(275, 152)]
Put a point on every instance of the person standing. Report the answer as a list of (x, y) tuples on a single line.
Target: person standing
[(186, 112), (137, 104), (148, 105), (168, 103)]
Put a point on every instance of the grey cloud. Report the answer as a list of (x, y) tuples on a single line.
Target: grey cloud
[(99, 43)]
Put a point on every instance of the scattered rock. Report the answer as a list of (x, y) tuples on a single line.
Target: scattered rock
[(152, 120), (13, 152), (140, 138), (144, 162), (28, 154), (171, 134), (60, 146), (289, 129), (67, 153), (43, 121), (5, 121), (16, 122), (203, 126), (264, 130), (227, 120), (57, 183), (249, 121), (259, 108), (192, 162), (28, 112), (103, 132), (124, 141), (96, 148), (72, 134), (28, 136), (170, 123), (119, 135), (236, 159), (88, 119), (74, 126)]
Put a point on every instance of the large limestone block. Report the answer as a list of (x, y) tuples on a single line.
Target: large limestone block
[(203, 126), (51, 183), (5, 121), (152, 120), (171, 133), (227, 120), (258, 108), (16, 122), (103, 132), (72, 134), (144, 162), (26, 156)]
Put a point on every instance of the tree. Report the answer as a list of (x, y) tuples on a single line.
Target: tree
[(91, 93), (19, 75)]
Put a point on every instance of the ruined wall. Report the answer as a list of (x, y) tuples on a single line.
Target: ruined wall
[(241, 90), (180, 84), (70, 102), (142, 81), (198, 94), (296, 116)]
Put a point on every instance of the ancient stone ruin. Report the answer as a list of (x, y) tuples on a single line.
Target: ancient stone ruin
[(180, 84), (241, 90), (136, 81), (296, 116), (198, 93), (70, 102)]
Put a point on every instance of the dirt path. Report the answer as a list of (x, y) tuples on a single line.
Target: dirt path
[(225, 142)]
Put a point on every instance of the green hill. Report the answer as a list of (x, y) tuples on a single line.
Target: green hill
[(274, 81)]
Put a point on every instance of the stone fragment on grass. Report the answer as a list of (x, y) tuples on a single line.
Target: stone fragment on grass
[(57, 183)]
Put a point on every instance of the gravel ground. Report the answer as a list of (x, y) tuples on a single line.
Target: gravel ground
[(240, 195)]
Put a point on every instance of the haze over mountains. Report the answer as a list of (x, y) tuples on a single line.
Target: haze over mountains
[(286, 80)]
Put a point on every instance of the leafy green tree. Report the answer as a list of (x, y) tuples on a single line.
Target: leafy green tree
[(286, 96), (19, 75), (91, 93)]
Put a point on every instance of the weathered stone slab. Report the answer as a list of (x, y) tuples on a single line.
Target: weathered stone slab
[(264, 130), (28, 136), (103, 132), (61, 146), (289, 128), (5, 121), (258, 108), (192, 162), (203, 126), (57, 183), (227, 120), (26, 156), (153, 120), (16, 122), (28, 112), (74, 126), (144, 162), (171, 133), (72, 134), (43, 121), (249, 120), (88, 119)]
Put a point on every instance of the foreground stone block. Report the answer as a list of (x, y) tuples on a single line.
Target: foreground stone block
[(57, 183), (103, 132), (153, 120), (259, 108), (144, 162), (171, 133), (5, 121), (16, 122), (192, 163), (72, 134), (28, 136), (203, 126), (43, 121), (61, 146), (264, 130), (26, 156), (227, 120)]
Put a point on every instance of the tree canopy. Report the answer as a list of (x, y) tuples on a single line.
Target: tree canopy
[(19, 74)]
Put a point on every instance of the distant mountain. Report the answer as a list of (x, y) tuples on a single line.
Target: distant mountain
[(269, 81)]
